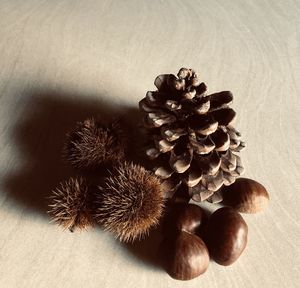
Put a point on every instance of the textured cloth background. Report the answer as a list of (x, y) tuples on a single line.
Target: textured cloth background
[(64, 60)]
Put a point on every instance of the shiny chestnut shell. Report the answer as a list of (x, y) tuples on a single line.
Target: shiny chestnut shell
[(226, 236), (185, 256), (190, 218), (246, 196)]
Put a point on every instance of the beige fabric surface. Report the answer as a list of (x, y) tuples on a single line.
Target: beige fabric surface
[(62, 61)]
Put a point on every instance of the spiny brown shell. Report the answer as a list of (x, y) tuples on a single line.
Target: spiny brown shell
[(92, 144), (129, 202), (70, 204)]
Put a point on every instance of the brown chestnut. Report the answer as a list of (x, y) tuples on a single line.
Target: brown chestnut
[(226, 235), (185, 257), (191, 218), (246, 196), (185, 217)]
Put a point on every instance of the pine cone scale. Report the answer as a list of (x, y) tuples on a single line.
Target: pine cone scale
[(172, 133), (180, 163), (201, 145), (192, 177), (161, 82), (164, 172), (221, 139), (220, 99), (223, 116), (202, 124), (202, 106)]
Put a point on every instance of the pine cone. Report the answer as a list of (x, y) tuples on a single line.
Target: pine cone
[(193, 143)]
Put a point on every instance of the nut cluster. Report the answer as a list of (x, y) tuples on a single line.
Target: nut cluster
[(187, 227), (190, 240)]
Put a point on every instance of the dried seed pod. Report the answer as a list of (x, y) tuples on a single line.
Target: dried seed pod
[(129, 202), (185, 257), (226, 236), (70, 204), (196, 136), (246, 196), (92, 144)]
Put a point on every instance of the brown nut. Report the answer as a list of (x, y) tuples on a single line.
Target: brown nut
[(185, 257), (226, 236), (186, 217), (191, 218), (246, 196)]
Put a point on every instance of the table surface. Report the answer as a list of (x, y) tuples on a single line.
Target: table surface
[(62, 61)]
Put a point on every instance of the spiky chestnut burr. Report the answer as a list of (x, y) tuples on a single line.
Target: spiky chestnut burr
[(92, 144), (129, 202), (70, 204)]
